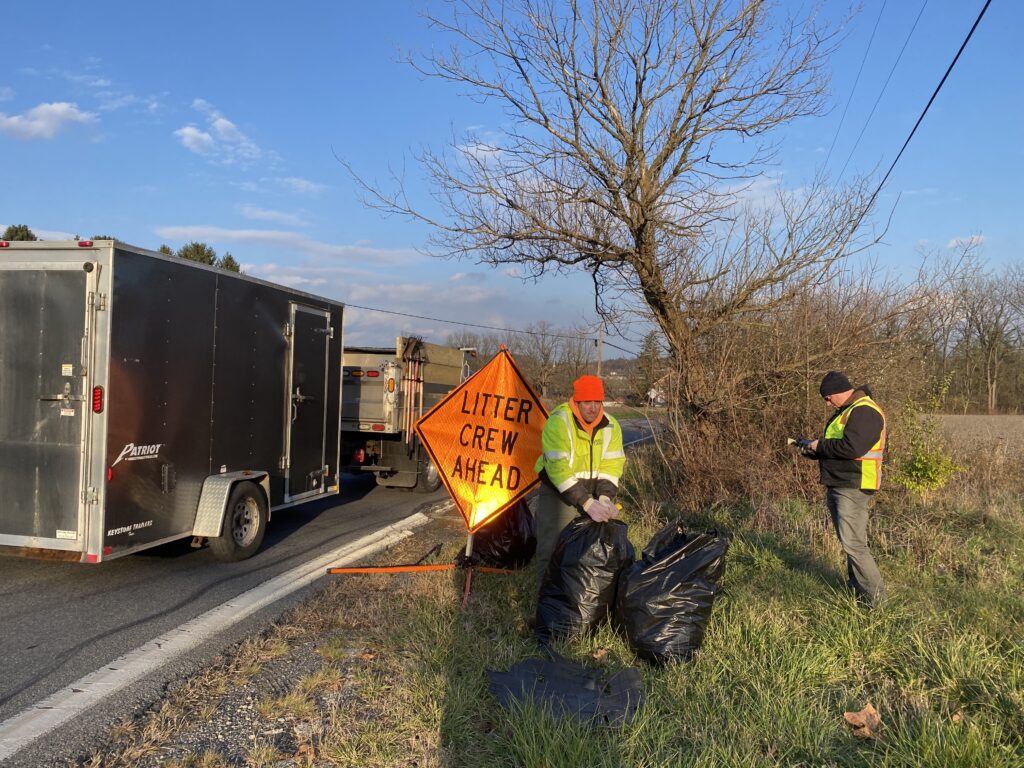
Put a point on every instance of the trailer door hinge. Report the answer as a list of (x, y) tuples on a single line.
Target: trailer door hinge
[(287, 330), (283, 463), (89, 496), (97, 301)]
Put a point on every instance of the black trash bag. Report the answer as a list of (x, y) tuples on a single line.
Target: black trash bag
[(509, 541), (664, 601), (578, 588), (570, 689)]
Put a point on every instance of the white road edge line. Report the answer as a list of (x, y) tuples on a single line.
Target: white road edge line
[(42, 717)]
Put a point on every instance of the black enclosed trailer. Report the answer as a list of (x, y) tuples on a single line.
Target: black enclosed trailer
[(145, 398)]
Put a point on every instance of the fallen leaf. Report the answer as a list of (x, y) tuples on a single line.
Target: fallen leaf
[(865, 723), (367, 656), (600, 655), (957, 717)]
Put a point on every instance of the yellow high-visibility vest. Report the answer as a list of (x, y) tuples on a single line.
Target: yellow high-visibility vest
[(870, 462)]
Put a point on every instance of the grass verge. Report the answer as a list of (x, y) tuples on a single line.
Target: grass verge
[(401, 669)]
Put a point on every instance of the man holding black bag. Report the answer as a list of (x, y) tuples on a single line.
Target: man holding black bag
[(580, 467)]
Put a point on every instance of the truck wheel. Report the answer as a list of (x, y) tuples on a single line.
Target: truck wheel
[(429, 479), (245, 523)]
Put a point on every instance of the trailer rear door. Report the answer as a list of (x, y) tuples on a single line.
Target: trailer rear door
[(307, 401), (42, 403)]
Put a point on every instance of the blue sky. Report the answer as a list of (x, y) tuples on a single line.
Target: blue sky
[(220, 121)]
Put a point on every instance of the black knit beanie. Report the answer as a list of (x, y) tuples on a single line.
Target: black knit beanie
[(833, 383)]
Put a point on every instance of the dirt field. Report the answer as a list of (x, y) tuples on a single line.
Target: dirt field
[(995, 432)]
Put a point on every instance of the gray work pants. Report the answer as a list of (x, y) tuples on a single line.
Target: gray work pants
[(553, 514), (849, 510)]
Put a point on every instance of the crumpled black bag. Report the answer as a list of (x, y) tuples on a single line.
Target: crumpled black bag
[(578, 588), (510, 541), (664, 600), (570, 689)]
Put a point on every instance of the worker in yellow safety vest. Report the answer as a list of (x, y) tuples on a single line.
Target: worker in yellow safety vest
[(849, 459), (580, 467)]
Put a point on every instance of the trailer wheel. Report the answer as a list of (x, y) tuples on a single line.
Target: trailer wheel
[(429, 479), (245, 523)]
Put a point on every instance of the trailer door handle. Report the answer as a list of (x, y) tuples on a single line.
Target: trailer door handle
[(65, 397), (298, 397)]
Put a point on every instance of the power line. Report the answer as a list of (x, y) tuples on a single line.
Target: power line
[(882, 92), (938, 88), (855, 81), (487, 327)]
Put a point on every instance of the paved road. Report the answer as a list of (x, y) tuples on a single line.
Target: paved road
[(62, 620)]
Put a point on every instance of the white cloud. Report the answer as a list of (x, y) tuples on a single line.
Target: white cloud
[(292, 242), (962, 242), (92, 81), (302, 186), (53, 234), (263, 214), (195, 140), (6, 93), (472, 277), (43, 121), (222, 142)]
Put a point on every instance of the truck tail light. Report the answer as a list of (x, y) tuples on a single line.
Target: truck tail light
[(97, 399)]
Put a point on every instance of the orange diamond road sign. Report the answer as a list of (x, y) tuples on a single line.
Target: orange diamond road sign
[(484, 439)]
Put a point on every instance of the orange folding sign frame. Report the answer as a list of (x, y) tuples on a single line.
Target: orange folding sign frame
[(484, 439)]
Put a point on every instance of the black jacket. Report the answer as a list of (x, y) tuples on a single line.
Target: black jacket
[(836, 465)]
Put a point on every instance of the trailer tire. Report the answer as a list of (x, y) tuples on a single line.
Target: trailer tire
[(245, 524), (429, 479)]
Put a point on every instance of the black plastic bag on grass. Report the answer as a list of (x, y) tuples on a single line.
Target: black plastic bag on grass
[(578, 588), (510, 541), (664, 601)]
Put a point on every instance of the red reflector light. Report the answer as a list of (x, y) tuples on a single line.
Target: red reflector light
[(91, 559), (110, 474), (359, 456), (108, 550), (4, 244), (85, 243), (378, 427), (97, 399), (373, 374)]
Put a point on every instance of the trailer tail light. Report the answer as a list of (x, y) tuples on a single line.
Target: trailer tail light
[(373, 374), (97, 399), (110, 474), (85, 243), (359, 456), (378, 427), (4, 244)]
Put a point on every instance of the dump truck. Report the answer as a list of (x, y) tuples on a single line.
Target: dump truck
[(385, 390), (145, 398)]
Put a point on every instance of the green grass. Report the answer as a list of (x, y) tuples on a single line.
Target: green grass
[(787, 652)]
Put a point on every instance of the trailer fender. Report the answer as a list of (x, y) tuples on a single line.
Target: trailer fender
[(214, 499)]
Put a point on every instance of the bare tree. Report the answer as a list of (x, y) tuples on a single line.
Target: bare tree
[(994, 328), (636, 132)]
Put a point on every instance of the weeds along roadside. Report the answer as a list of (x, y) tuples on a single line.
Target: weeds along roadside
[(403, 676)]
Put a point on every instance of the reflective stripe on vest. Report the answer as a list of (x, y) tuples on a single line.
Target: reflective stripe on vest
[(871, 462)]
